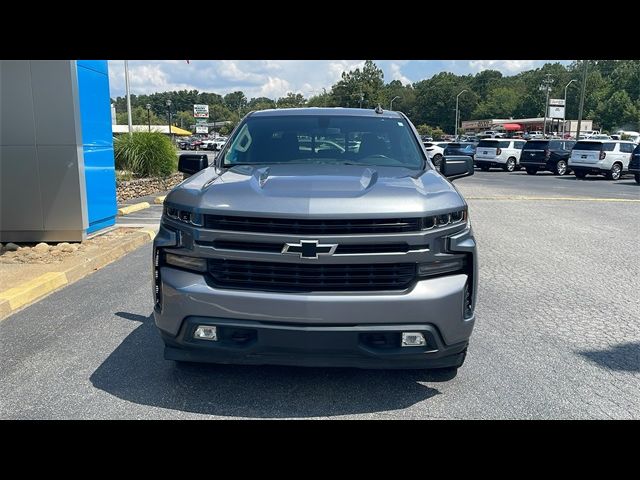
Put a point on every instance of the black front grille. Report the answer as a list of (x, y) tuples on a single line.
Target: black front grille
[(298, 277), (312, 227)]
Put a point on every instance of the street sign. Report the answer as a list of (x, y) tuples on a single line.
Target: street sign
[(201, 121), (556, 112), (201, 129), (556, 102), (201, 111)]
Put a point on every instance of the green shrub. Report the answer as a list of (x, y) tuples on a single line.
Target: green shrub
[(147, 154)]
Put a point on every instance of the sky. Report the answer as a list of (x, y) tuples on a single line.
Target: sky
[(275, 78)]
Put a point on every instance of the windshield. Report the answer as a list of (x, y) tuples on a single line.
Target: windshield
[(324, 139)]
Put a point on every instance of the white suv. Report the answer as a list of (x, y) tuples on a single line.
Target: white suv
[(434, 151), (503, 154), (601, 157)]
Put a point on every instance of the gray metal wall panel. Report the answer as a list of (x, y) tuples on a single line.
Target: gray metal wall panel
[(53, 101), (62, 206), (20, 203), (17, 125)]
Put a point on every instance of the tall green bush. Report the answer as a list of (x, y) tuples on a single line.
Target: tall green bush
[(147, 154)]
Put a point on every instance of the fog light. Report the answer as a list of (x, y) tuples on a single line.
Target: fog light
[(206, 332), (413, 339)]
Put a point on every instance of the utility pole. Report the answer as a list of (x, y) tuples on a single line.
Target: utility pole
[(584, 88), (361, 98), (564, 117), (457, 114), (547, 85)]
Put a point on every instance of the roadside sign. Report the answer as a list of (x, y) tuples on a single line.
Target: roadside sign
[(201, 111), (556, 102), (201, 129), (556, 112), (202, 121)]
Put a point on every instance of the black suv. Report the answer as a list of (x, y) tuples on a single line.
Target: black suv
[(634, 164), (551, 155)]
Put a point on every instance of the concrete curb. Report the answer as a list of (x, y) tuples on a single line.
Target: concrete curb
[(133, 208), (29, 292), (159, 200)]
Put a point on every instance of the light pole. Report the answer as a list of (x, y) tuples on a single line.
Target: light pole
[(361, 98), (169, 109), (564, 123), (455, 133), (149, 115), (582, 92), (547, 85), (391, 105)]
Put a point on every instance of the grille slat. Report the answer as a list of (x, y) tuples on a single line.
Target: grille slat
[(299, 277), (311, 227), (342, 249)]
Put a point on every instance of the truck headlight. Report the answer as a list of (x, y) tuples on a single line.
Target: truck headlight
[(183, 215), (444, 219), (188, 263)]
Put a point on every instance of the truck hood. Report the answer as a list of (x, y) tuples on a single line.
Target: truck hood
[(329, 191)]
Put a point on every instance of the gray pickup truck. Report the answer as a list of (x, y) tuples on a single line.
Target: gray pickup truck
[(319, 237)]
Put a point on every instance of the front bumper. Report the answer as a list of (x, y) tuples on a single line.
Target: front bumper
[(360, 346)]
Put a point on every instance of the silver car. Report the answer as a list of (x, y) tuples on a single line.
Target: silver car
[(320, 237)]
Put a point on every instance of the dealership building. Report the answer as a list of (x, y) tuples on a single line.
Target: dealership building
[(525, 125)]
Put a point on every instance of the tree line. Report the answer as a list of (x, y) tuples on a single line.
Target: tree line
[(612, 97)]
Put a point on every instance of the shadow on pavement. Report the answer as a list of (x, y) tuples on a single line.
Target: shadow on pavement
[(624, 357), (137, 372)]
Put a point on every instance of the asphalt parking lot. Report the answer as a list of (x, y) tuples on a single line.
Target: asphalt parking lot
[(557, 332)]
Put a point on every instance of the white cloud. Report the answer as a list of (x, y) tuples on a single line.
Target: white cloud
[(275, 87), (505, 66), (396, 73)]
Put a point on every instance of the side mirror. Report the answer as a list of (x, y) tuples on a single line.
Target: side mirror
[(457, 166), (190, 163)]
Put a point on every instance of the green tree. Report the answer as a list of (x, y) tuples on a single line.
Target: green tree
[(501, 102), (261, 103), (236, 102), (360, 87), (292, 100), (617, 111)]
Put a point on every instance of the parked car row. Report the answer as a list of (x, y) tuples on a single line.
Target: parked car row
[(195, 143), (594, 156)]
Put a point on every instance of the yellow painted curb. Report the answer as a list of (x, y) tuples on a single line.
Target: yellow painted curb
[(27, 293), (159, 200), (133, 208), (563, 199), (149, 231), (33, 289)]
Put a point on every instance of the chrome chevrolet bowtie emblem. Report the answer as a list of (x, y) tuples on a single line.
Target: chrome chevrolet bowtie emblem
[(309, 249)]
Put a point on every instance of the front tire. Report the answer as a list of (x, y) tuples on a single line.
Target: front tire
[(532, 171), (615, 173), (561, 168), (510, 166)]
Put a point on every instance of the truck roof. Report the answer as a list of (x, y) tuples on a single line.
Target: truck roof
[(351, 112)]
